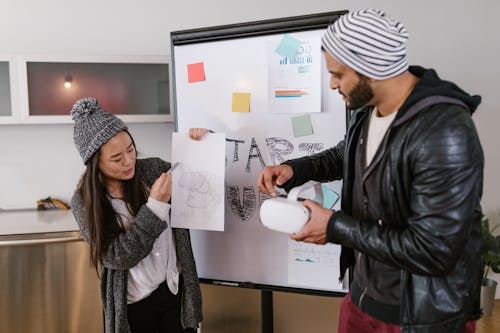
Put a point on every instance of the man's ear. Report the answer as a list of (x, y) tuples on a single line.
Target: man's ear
[(373, 82)]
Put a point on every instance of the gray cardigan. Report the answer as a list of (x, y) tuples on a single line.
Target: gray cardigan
[(130, 247)]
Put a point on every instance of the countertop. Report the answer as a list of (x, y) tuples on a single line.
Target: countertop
[(34, 221)]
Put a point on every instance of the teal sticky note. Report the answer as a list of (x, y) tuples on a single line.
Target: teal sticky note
[(288, 46), (330, 197), (302, 125)]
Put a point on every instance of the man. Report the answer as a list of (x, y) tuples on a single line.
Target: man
[(412, 171)]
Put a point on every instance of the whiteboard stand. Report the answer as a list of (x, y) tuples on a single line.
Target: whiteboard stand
[(266, 306)]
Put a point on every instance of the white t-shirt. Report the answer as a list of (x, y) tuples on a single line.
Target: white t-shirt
[(158, 266), (376, 130)]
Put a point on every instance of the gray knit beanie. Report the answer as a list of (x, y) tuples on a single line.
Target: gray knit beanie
[(368, 42), (93, 126)]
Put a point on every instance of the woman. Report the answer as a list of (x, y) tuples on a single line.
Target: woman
[(148, 275)]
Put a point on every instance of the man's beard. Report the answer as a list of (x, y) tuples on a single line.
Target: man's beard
[(360, 95)]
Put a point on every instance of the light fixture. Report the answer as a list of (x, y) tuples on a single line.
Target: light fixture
[(67, 81)]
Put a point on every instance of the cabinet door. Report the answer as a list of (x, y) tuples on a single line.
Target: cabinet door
[(121, 88), (5, 97), (48, 287)]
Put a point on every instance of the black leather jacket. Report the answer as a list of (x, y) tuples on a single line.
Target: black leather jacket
[(433, 179)]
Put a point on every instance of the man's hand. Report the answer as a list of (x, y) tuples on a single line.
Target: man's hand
[(273, 175), (315, 229)]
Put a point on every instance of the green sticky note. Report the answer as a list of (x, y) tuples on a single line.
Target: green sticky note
[(302, 125)]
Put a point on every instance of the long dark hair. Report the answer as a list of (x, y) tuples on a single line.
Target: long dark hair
[(103, 223)]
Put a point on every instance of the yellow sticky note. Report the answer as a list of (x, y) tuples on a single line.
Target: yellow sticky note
[(241, 102)]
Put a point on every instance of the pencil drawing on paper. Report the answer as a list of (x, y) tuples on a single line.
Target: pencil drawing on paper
[(198, 194)]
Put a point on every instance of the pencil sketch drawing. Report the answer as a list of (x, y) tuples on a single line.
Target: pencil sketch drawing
[(198, 195)]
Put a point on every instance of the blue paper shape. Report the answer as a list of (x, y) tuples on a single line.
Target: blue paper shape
[(288, 46), (330, 197)]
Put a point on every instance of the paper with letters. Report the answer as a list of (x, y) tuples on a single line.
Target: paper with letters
[(198, 181)]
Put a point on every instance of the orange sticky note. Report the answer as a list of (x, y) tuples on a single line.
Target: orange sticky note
[(241, 102), (196, 72)]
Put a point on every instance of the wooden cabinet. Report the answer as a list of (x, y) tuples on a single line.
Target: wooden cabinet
[(137, 89)]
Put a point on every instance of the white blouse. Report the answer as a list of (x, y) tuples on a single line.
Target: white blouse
[(159, 265)]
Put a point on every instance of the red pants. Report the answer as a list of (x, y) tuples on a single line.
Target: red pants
[(353, 320)]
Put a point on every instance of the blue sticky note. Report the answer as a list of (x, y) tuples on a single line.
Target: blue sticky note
[(330, 197), (288, 47)]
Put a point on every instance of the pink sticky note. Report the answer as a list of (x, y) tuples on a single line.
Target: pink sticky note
[(196, 72)]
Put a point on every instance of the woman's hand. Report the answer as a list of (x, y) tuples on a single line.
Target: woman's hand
[(162, 188), (197, 133)]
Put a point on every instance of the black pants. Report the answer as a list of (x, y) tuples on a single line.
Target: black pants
[(160, 312)]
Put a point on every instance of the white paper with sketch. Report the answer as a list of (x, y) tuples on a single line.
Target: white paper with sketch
[(198, 181)]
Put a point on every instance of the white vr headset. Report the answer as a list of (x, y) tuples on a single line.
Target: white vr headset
[(288, 214)]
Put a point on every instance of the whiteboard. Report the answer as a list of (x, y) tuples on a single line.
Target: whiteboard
[(235, 60)]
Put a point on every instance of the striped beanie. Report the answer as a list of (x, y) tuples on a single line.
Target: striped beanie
[(368, 42), (93, 126)]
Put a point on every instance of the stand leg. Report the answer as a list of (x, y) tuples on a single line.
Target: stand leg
[(266, 301)]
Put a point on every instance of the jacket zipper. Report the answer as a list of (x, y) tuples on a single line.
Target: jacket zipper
[(364, 289), (361, 297), (356, 127)]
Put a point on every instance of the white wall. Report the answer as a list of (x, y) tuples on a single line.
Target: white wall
[(459, 38)]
